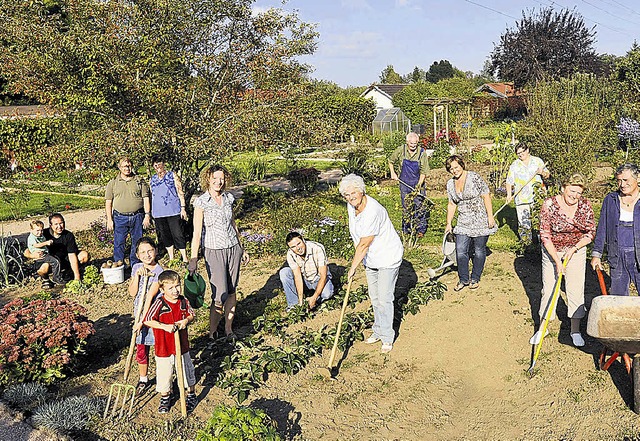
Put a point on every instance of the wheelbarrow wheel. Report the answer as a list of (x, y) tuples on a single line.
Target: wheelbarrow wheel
[(636, 385)]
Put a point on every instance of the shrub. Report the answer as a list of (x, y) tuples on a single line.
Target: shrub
[(238, 424), (254, 168), (334, 235), (69, 414), (390, 141), (304, 179), (39, 338), (102, 235), (363, 162), (25, 396), (11, 266)]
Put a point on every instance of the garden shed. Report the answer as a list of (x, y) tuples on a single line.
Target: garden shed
[(391, 120)]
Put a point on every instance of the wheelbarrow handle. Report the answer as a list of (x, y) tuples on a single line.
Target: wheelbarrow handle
[(603, 286)]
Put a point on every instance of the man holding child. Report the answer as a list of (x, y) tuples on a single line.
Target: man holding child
[(63, 247), (307, 266)]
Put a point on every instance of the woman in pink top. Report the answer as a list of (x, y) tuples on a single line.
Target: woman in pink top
[(567, 226)]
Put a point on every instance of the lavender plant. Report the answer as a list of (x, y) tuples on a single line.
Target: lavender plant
[(25, 396), (628, 129), (69, 414)]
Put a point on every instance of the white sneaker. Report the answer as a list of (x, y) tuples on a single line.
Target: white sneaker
[(373, 339), (578, 341), (537, 337), (386, 347)]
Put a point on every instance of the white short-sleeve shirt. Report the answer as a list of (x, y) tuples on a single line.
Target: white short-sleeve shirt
[(386, 249)]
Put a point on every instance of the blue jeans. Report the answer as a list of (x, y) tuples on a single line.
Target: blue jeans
[(290, 291), (625, 271), (123, 225), (382, 284), (463, 245)]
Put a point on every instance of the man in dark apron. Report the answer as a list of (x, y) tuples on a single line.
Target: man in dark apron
[(414, 165)]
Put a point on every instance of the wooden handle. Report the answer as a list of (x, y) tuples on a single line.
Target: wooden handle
[(180, 374), (345, 302), (134, 334)]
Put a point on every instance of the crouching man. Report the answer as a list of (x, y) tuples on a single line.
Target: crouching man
[(307, 266)]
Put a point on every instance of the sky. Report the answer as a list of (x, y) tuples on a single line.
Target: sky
[(359, 38)]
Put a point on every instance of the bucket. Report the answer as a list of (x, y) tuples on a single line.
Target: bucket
[(113, 276)]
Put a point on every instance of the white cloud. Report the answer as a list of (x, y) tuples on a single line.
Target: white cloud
[(354, 45)]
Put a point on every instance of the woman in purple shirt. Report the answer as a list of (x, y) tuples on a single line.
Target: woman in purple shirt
[(168, 207)]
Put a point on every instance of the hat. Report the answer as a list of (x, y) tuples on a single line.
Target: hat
[(194, 288)]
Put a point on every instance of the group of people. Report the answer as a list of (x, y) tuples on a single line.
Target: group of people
[(567, 226)]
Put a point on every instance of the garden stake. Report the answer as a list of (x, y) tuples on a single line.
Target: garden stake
[(121, 389), (550, 308), (515, 194), (134, 334), (179, 372), (345, 302)]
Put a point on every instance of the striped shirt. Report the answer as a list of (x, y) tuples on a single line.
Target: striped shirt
[(218, 221), (310, 263)]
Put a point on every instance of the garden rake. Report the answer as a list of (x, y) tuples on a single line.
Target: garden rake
[(329, 372), (547, 317), (122, 390), (515, 194)]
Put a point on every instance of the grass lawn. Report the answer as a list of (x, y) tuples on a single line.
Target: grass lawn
[(21, 205)]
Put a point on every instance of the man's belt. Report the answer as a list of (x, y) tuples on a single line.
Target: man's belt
[(140, 211)]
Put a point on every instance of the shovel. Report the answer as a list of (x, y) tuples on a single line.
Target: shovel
[(329, 371)]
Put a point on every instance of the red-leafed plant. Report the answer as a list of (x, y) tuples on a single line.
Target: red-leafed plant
[(39, 337)]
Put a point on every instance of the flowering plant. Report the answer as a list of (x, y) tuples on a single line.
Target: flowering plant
[(333, 235), (99, 229), (255, 244), (39, 337), (629, 129)]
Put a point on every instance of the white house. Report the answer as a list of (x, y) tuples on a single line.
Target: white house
[(382, 94)]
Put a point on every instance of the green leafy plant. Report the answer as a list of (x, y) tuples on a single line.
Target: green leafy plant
[(91, 276), (39, 338), (15, 201), (238, 424), (74, 287)]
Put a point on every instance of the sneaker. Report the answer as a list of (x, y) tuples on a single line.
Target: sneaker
[(474, 285), (59, 281), (459, 287), (141, 387), (46, 284), (165, 404), (373, 339), (537, 337), (386, 347), (192, 401), (578, 341)]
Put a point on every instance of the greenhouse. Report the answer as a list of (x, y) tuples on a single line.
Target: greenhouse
[(391, 120)]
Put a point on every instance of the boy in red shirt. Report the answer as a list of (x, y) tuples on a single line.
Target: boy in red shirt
[(169, 313)]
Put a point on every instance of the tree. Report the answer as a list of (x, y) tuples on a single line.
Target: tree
[(187, 77), (390, 76), (440, 70), (416, 75), (546, 44)]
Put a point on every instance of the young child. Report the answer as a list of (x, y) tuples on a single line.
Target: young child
[(169, 313), (36, 242), (146, 251)]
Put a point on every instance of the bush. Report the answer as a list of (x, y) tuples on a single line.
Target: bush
[(334, 235), (25, 396), (390, 141), (304, 179), (238, 424), (39, 338), (362, 162), (254, 168), (69, 414), (11, 266)]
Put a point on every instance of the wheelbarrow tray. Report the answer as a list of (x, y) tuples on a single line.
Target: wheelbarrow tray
[(615, 322)]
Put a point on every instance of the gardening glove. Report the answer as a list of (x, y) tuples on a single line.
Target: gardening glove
[(193, 265)]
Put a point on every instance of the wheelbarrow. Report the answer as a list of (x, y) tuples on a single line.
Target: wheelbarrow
[(449, 251), (615, 322)]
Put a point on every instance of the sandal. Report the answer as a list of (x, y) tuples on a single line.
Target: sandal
[(459, 287), (218, 308)]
